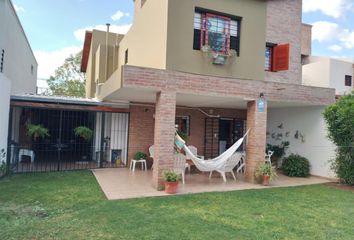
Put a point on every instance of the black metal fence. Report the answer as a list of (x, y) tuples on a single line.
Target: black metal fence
[(62, 149)]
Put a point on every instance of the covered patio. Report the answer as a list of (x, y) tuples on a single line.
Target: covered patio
[(161, 95), (123, 184)]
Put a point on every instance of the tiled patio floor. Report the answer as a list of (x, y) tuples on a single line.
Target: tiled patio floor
[(123, 184)]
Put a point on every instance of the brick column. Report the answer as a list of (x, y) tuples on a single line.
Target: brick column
[(164, 135), (256, 144)]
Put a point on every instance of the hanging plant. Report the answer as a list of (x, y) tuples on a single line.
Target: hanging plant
[(84, 132), (37, 131)]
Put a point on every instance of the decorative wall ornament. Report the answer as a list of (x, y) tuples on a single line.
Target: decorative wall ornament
[(279, 136), (273, 135), (280, 126), (287, 134), (296, 136), (302, 138)]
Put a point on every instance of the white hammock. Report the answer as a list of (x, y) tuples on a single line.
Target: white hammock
[(216, 164)]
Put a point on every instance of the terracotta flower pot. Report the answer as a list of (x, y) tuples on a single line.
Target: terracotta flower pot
[(171, 187), (265, 180)]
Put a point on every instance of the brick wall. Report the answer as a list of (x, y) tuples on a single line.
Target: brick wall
[(256, 140), (156, 79), (284, 26), (141, 126), (141, 130)]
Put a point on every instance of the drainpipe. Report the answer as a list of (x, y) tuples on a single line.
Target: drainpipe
[(107, 58)]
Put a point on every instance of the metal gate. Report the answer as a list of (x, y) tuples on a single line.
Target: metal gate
[(63, 149), (212, 135)]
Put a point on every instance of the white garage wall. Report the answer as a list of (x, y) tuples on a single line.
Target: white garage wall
[(5, 90), (310, 123)]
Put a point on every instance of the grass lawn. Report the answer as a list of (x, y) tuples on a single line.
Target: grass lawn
[(72, 206)]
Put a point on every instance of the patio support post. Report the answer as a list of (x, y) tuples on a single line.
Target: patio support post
[(165, 113), (256, 141)]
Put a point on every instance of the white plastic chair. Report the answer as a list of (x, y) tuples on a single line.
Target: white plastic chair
[(151, 152), (194, 150), (230, 164), (268, 157), (179, 164)]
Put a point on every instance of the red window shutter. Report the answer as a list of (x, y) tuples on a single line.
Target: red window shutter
[(281, 58)]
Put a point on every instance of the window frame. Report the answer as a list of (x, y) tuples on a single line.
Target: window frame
[(348, 79), (271, 60), (202, 35), (188, 126)]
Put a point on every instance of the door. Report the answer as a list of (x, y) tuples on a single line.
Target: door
[(211, 141), (226, 135)]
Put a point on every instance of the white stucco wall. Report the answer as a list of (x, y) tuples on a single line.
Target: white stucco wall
[(310, 124), (19, 74), (4, 109), (339, 69), (19, 59), (328, 72), (317, 72)]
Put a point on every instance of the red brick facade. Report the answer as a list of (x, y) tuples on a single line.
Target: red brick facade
[(256, 140), (167, 85), (141, 126)]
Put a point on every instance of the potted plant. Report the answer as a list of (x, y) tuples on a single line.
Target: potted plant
[(267, 172), (37, 131), (171, 181), (140, 156), (84, 132)]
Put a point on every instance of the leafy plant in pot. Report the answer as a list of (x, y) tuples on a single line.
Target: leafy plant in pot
[(37, 131), (171, 181), (84, 132), (267, 172)]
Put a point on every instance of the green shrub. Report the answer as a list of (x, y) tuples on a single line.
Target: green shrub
[(140, 156), (340, 123), (296, 166)]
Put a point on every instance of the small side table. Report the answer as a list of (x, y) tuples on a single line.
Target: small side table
[(133, 163)]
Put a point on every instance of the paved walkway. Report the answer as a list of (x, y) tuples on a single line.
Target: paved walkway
[(123, 184)]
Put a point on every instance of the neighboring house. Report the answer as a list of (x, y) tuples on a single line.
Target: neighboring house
[(18, 66), (330, 72), (209, 80)]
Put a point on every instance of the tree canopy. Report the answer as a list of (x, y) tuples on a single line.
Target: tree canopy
[(68, 79), (340, 123)]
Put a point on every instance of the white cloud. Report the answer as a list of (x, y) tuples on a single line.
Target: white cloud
[(48, 62), (118, 15), (18, 8), (121, 29), (323, 31), (335, 48), (333, 8)]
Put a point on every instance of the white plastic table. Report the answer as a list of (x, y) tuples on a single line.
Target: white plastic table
[(133, 163)]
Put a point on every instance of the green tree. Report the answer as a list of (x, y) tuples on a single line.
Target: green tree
[(340, 122), (68, 79)]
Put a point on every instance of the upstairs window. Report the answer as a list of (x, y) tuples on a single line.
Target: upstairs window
[(219, 32), (269, 57), (276, 57), (348, 80)]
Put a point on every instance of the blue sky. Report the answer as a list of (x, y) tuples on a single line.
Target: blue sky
[(55, 28)]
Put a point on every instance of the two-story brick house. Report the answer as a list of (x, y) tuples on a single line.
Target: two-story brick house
[(203, 65)]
